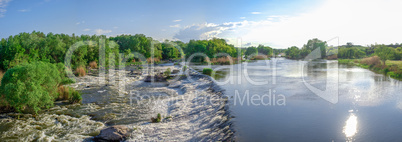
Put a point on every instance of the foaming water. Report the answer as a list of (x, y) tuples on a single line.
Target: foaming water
[(49, 127), (193, 110)]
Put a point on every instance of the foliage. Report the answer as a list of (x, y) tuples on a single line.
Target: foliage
[(384, 52), (1, 75), (167, 72), (51, 48), (371, 61), (293, 52), (157, 119), (265, 50), (312, 44), (31, 86), (207, 71), (251, 51), (80, 71), (260, 57), (69, 93), (93, 65), (350, 53), (210, 47), (184, 68), (75, 97)]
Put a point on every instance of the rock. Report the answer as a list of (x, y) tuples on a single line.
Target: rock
[(157, 78), (114, 133), (175, 71)]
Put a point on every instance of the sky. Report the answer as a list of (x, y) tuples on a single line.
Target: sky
[(275, 23)]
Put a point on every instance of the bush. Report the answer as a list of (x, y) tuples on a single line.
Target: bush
[(155, 60), (70, 94), (32, 86), (184, 68), (93, 65), (371, 61), (1, 75), (75, 97), (157, 119), (207, 71), (80, 71), (167, 72)]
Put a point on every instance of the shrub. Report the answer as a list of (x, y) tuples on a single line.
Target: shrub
[(167, 72), (80, 71), (93, 65), (155, 60), (32, 86), (1, 75), (64, 92), (75, 97), (184, 68), (371, 61), (70, 94), (207, 71), (259, 57), (157, 119)]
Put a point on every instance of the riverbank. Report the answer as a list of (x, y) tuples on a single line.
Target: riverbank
[(391, 68), (191, 108)]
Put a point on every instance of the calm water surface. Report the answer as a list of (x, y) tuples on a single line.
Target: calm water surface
[(369, 106)]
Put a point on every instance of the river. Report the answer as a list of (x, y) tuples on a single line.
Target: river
[(369, 106), (265, 100)]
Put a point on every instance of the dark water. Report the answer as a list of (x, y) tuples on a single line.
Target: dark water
[(369, 106)]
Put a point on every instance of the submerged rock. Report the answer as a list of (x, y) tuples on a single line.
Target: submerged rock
[(156, 78), (114, 133)]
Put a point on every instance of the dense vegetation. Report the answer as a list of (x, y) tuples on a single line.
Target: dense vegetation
[(373, 57), (32, 86), (296, 53)]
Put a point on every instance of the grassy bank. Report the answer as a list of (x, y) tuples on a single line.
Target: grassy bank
[(393, 68)]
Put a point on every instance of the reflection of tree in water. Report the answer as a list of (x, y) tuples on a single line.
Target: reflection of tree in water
[(316, 74), (221, 74)]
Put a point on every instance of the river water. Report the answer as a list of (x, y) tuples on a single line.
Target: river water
[(270, 100), (369, 106)]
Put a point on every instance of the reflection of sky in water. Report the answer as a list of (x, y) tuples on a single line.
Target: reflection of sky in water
[(350, 128), (307, 117)]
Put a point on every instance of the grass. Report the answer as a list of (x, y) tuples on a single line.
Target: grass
[(393, 68), (397, 63), (207, 71)]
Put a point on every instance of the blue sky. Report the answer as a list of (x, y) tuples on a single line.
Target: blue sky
[(270, 22)]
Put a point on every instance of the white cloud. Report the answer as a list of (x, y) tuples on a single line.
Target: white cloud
[(175, 26), (82, 22), (255, 12), (205, 31), (23, 10), (242, 17), (3, 6), (178, 20), (360, 21), (101, 31), (85, 30), (115, 27)]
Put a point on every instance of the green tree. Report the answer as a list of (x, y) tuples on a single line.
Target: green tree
[(31, 86), (264, 50), (384, 52), (251, 51)]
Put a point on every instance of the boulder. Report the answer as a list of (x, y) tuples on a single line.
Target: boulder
[(157, 78), (175, 71), (113, 133)]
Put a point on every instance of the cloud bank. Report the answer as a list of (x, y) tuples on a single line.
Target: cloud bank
[(360, 21)]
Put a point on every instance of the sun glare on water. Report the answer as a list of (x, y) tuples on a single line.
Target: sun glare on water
[(350, 128)]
